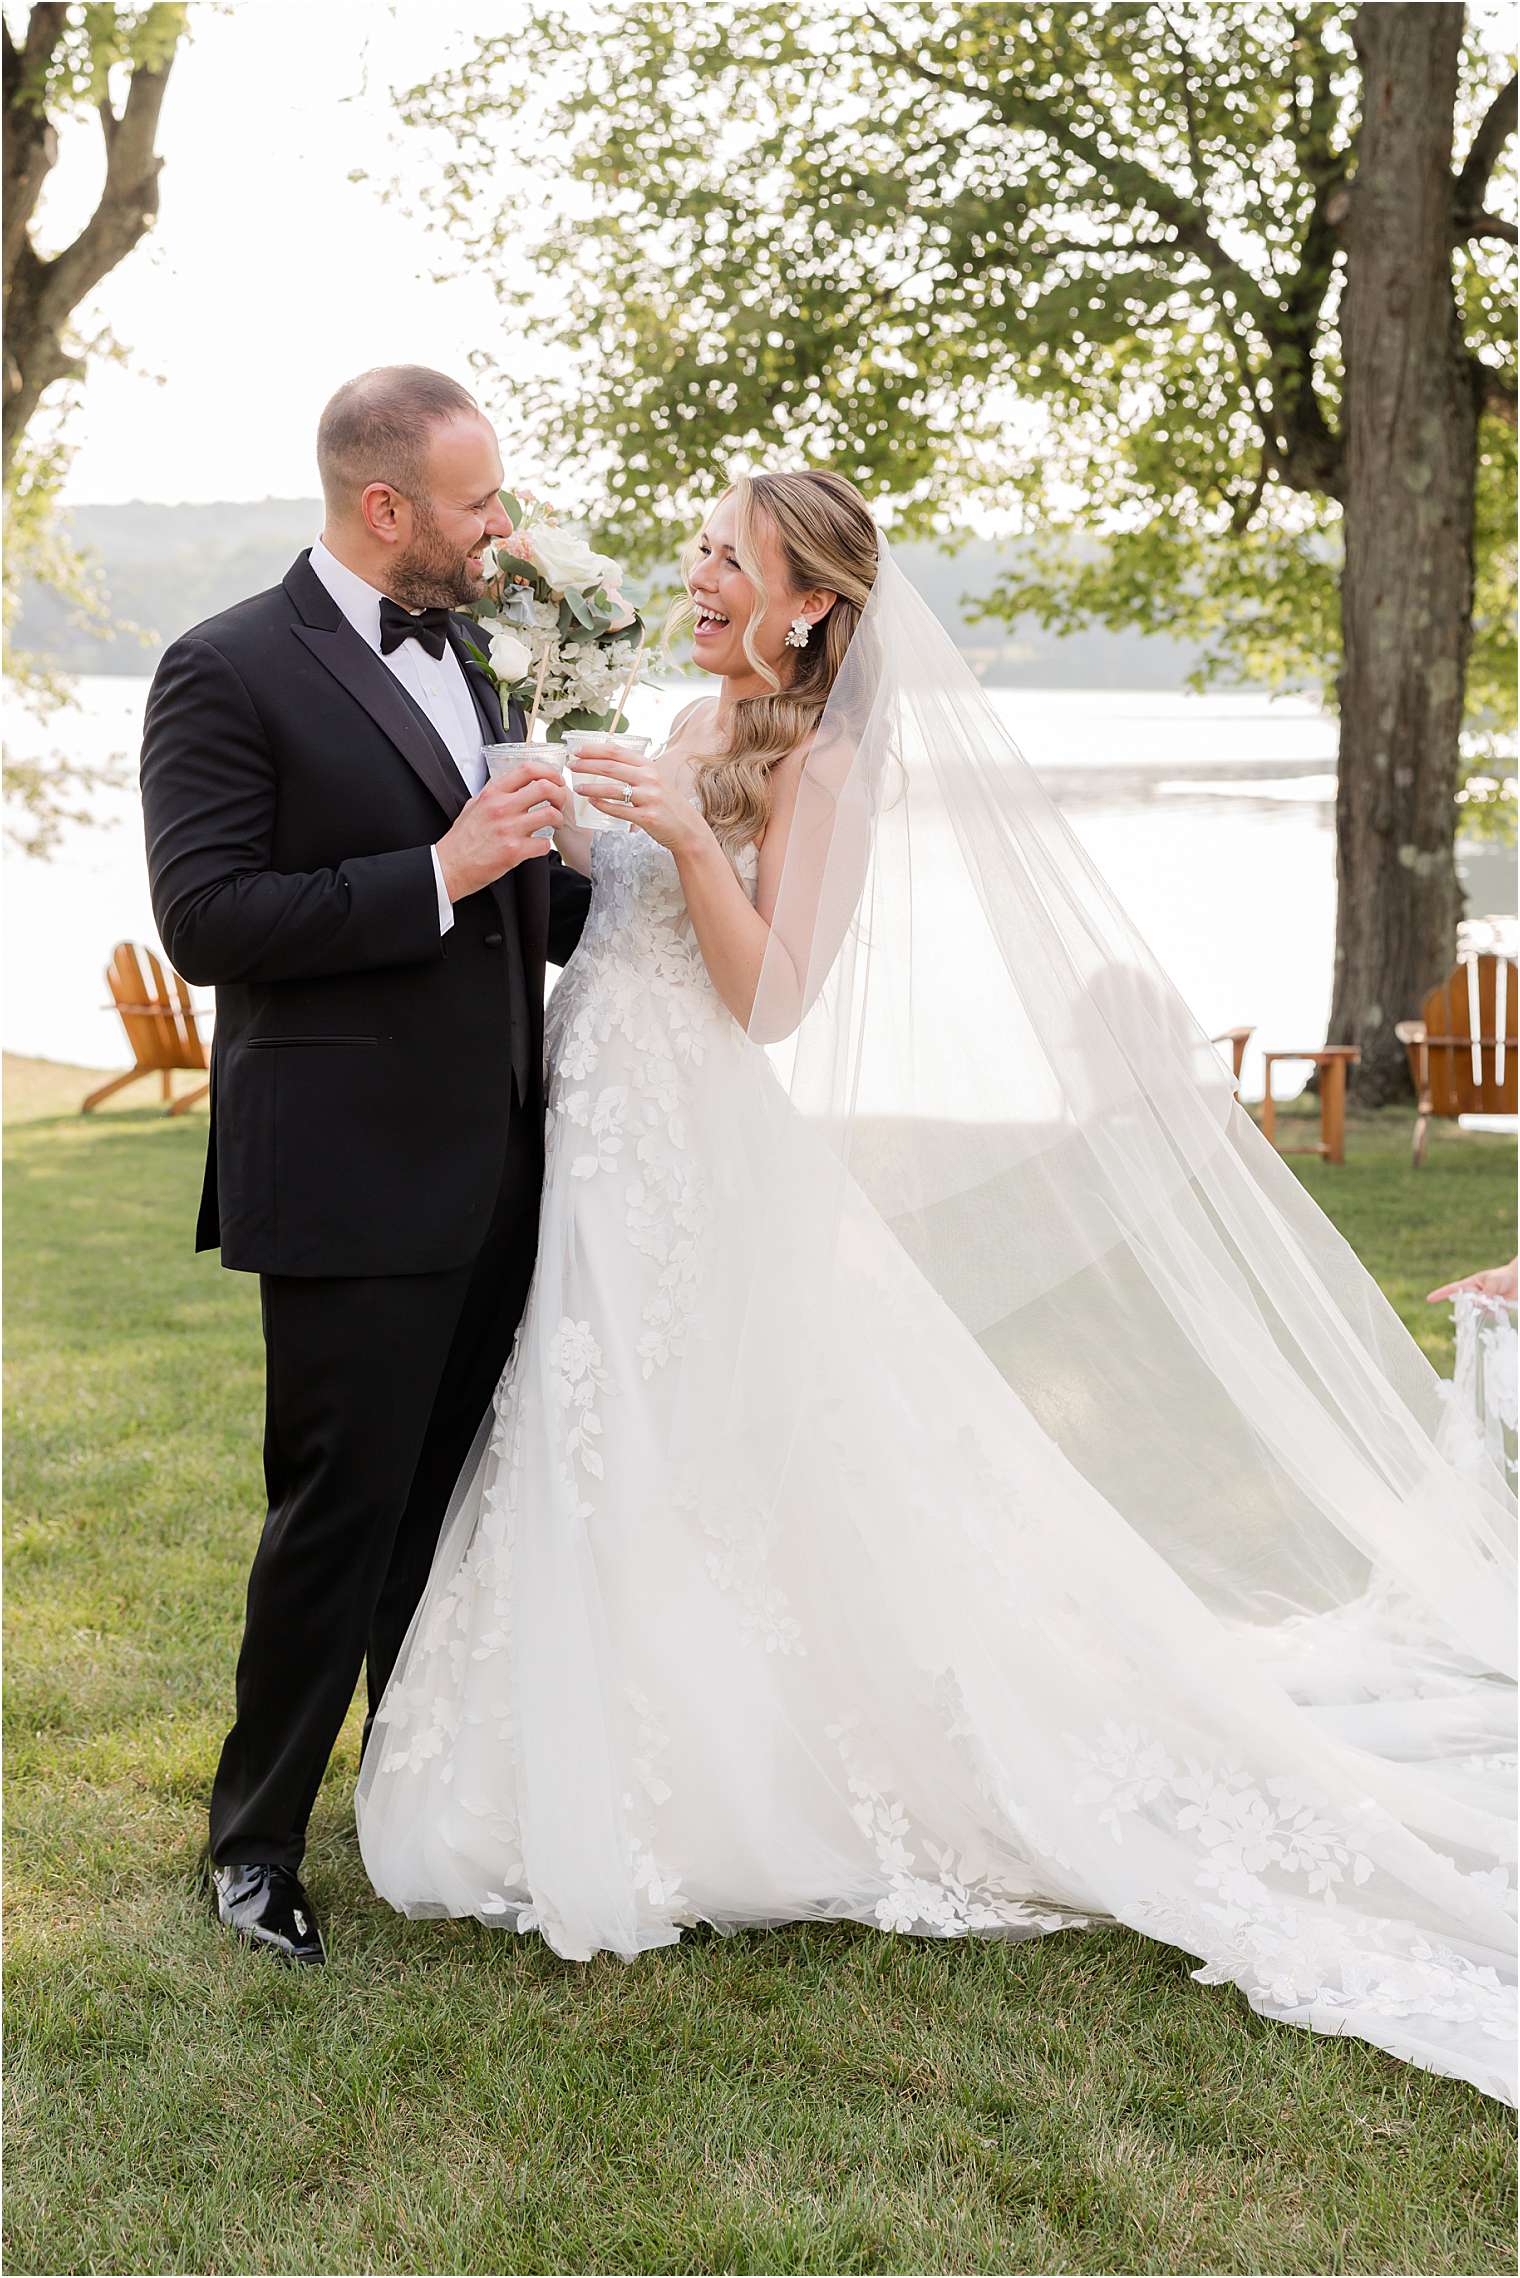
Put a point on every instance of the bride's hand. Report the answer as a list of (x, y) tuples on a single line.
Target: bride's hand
[(667, 815), (1494, 1281)]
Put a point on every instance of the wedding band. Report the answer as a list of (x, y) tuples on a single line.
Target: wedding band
[(628, 794)]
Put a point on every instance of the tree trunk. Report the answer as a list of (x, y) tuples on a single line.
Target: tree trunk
[(1411, 428)]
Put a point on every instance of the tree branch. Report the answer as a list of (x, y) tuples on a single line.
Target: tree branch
[(41, 296), (1496, 392), (26, 69), (1490, 225), (1494, 130), (1298, 444), (1088, 246), (1189, 110), (1308, 450), (1130, 182), (921, 70), (31, 145), (128, 200), (1260, 402)]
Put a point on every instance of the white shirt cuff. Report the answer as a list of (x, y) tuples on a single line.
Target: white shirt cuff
[(445, 906)]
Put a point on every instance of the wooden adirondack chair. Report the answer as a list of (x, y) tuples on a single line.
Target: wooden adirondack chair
[(1464, 1054), (1237, 1039), (161, 1027)]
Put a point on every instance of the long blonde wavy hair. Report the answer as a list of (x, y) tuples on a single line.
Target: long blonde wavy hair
[(827, 540)]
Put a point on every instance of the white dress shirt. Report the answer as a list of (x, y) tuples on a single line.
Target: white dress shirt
[(437, 684)]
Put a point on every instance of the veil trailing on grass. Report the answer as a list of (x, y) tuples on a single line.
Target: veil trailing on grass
[(1303, 1769)]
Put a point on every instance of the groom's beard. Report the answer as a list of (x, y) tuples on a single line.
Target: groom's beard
[(432, 573)]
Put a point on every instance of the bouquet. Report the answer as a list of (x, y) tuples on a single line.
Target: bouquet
[(560, 639)]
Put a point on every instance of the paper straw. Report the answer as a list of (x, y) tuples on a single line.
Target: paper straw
[(621, 706), (538, 693)]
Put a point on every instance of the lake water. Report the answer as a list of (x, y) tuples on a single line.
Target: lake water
[(1211, 816)]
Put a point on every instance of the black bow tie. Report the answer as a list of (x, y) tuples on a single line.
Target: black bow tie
[(429, 626)]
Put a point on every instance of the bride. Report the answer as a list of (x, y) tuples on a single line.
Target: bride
[(949, 1475)]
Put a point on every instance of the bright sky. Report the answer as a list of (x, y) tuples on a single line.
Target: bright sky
[(270, 275)]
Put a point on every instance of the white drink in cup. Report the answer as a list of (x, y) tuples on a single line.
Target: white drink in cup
[(598, 739), (500, 757)]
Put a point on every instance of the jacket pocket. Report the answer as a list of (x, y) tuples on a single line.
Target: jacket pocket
[(288, 1043)]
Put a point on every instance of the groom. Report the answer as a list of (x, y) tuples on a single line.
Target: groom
[(324, 847)]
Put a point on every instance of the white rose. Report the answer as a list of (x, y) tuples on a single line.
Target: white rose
[(567, 561), (511, 657)]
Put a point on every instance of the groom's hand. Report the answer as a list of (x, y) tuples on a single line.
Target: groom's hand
[(495, 831)]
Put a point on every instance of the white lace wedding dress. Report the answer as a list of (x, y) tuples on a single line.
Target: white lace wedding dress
[(937, 1683)]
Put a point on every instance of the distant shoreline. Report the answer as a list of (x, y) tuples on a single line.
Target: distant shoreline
[(165, 568), (1269, 700)]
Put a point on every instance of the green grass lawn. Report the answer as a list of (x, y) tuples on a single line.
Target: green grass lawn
[(448, 2098)]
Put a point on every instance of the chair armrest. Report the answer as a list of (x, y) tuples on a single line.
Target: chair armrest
[(172, 1012)]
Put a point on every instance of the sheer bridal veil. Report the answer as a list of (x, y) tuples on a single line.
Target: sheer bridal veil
[(959, 1008), (983, 1057)]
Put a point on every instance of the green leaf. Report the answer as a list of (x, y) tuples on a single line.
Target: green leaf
[(573, 628), (589, 722), (513, 565)]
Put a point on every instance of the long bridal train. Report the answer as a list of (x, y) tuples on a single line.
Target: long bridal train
[(949, 1475)]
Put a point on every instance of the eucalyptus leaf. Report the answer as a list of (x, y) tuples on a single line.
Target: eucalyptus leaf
[(571, 627), (513, 565), (590, 723)]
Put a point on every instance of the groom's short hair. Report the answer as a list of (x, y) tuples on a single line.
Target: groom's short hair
[(377, 429)]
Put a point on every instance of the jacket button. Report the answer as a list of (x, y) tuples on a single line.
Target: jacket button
[(493, 941)]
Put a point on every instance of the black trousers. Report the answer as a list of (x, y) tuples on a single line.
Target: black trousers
[(375, 1387)]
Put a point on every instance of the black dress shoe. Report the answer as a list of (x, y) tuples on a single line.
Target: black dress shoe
[(267, 1906)]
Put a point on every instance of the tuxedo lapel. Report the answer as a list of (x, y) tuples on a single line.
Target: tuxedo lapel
[(483, 688), (511, 899), (322, 628)]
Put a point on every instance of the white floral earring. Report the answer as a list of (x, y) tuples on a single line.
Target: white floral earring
[(797, 633)]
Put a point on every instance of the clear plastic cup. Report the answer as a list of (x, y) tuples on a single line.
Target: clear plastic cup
[(622, 747), (499, 757)]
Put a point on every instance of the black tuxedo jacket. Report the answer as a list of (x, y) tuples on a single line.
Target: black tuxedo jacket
[(364, 1066)]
